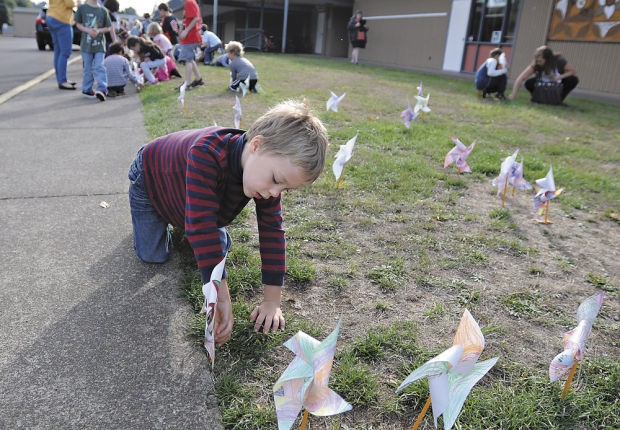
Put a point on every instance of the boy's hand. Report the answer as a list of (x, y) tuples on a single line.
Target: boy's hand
[(269, 314), (224, 318)]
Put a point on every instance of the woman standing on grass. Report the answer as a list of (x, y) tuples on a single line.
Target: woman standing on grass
[(357, 35), (59, 22)]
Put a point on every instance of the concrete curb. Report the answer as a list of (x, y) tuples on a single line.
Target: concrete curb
[(31, 83)]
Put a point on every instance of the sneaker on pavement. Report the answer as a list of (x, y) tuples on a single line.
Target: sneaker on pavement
[(100, 95), (196, 83), (89, 94)]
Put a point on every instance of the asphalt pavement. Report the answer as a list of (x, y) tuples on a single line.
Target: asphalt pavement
[(90, 337)]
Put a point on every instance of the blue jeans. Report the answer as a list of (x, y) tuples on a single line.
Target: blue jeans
[(94, 69), (208, 51), (62, 38), (152, 240)]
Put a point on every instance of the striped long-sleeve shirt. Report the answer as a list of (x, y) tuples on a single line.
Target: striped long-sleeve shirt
[(195, 180)]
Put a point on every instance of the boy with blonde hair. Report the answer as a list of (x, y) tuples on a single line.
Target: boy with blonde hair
[(240, 68), (201, 179)]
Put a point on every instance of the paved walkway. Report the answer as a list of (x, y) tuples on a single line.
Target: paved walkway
[(90, 337)]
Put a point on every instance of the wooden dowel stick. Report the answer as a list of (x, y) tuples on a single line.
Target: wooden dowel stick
[(570, 375), (339, 178), (424, 409), (546, 211), (505, 187), (513, 190), (304, 420)]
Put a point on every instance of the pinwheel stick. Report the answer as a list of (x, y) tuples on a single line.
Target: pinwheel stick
[(505, 187), (424, 409), (304, 420), (513, 190), (458, 171), (546, 211), (570, 376), (339, 178)]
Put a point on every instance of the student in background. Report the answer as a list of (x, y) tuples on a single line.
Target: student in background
[(491, 76), (117, 71), (240, 68)]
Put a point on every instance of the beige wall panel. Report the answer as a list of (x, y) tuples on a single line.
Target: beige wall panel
[(407, 42), (531, 33), (23, 23), (597, 64)]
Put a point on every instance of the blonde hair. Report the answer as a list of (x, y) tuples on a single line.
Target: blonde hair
[(235, 48), (153, 29), (137, 25), (290, 131)]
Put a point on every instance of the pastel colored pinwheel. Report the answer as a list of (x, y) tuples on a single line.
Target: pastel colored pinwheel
[(408, 115), (453, 373), (422, 104), (458, 155), (575, 339), (504, 172), (333, 101), (515, 177), (545, 191), (181, 97), (209, 307), (238, 113), (303, 385), (343, 156)]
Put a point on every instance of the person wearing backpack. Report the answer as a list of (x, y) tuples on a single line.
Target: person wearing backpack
[(491, 76)]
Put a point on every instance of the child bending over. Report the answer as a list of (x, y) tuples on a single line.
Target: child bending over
[(201, 179), (240, 67), (155, 32), (150, 55)]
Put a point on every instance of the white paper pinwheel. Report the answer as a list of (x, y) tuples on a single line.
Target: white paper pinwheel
[(504, 172), (515, 177), (420, 89), (575, 339), (209, 307), (181, 97), (545, 190), (238, 113), (333, 101), (458, 155), (304, 382), (453, 373), (421, 104), (408, 115), (343, 156), (245, 85)]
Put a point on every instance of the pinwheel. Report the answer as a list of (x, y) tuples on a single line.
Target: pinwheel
[(545, 191), (515, 177), (453, 373), (408, 115), (343, 156), (209, 307), (181, 97), (333, 101), (501, 182), (245, 85), (238, 113), (304, 382), (575, 341), (458, 155), (421, 102)]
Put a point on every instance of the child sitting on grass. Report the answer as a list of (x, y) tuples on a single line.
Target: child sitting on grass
[(117, 70), (240, 67), (150, 55), (201, 179)]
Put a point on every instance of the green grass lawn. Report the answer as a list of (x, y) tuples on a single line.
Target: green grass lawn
[(403, 246)]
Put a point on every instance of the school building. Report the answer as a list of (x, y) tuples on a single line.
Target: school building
[(434, 35)]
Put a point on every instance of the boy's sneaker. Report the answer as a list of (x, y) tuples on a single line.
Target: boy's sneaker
[(196, 83), (100, 95), (234, 90), (253, 90), (89, 94), (500, 97)]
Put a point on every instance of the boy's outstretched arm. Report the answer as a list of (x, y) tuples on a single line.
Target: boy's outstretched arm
[(269, 314)]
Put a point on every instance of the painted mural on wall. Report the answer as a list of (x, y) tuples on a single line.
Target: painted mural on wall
[(586, 20)]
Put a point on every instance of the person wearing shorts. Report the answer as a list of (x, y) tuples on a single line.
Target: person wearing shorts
[(190, 39)]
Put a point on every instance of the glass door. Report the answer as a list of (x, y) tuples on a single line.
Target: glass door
[(492, 24)]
